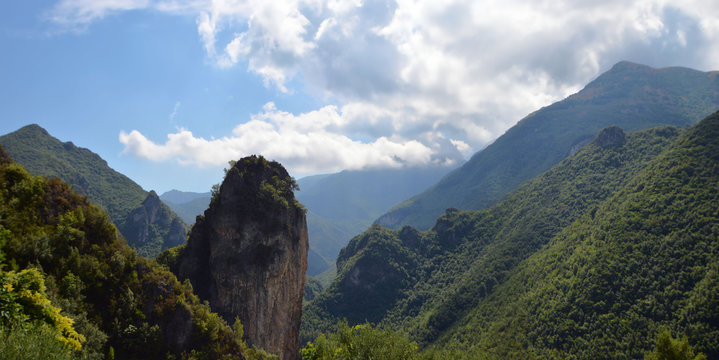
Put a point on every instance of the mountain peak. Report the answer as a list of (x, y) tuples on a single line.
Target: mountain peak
[(34, 128), (152, 199), (628, 65)]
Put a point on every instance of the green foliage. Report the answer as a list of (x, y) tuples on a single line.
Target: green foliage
[(344, 204), (631, 96), (264, 186), (360, 342), (23, 298), (84, 170), (669, 348), (425, 282), (121, 304), (168, 258), (88, 174), (36, 341), (592, 257), (313, 287)]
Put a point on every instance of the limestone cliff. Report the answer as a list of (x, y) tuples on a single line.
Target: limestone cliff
[(247, 255)]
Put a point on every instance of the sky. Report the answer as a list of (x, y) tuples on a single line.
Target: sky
[(168, 91)]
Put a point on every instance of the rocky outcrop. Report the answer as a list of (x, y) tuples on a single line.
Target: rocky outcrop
[(247, 255), (610, 136), (152, 227)]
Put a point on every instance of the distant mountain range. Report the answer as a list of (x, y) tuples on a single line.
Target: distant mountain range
[(629, 95), (144, 221), (187, 204), (590, 259)]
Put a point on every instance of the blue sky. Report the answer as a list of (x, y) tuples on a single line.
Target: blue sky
[(167, 91)]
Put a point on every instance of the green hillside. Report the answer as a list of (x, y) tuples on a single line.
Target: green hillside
[(69, 278), (591, 257), (645, 258), (88, 174), (629, 95), (344, 204)]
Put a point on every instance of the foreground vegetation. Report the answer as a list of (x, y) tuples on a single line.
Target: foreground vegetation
[(67, 273)]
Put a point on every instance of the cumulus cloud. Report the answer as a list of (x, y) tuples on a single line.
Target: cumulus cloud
[(306, 143), (463, 70)]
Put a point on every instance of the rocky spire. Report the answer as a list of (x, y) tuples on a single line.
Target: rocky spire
[(248, 255)]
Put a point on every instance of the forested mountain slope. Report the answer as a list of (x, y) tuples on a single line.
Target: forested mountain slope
[(146, 223), (344, 204), (629, 95), (645, 258), (591, 257)]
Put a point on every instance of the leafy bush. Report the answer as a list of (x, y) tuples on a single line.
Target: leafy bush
[(34, 341), (23, 298), (360, 342)]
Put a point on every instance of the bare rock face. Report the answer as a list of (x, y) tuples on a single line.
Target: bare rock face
[(248, 255)]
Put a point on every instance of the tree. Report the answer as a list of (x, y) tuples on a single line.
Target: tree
[(669, 348)]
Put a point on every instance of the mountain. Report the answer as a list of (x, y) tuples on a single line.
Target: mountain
[(72, 288), (146, 223), (344, 204), (247, 256), (629, 95), (595, 256), (340, 205), (187, 204), (183, 197)]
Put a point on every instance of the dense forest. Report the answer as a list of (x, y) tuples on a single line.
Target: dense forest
[(602, 254)]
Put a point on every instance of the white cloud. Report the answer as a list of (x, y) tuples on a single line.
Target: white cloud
[(460, 69), (306, 143)]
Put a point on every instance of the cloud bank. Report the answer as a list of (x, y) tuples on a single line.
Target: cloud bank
[(403, 75), (307, 143)]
